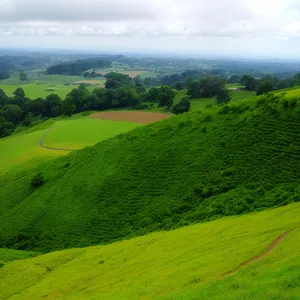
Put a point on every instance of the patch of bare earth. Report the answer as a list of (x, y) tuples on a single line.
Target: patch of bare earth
[(89, 81), (141, 117)]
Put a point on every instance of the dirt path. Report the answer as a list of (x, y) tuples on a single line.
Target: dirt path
[(259, 257), (51, 148)]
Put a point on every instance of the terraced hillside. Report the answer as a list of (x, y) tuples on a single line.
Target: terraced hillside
[(191, 168), (186, 263)]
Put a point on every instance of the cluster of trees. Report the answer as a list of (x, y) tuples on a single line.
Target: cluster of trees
[(4, 74), (76, 68), (268, 83), (92, 74), (208, 87)]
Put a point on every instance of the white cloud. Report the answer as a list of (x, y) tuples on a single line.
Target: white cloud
[(244, 19)]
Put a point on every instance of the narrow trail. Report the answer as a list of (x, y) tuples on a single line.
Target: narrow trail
[(259, 257), (40, 143)]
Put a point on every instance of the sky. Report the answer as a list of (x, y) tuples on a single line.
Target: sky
[(225, 27)]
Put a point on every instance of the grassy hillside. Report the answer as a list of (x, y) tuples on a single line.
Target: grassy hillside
[(191, 168), (76, 134), (183, 264)]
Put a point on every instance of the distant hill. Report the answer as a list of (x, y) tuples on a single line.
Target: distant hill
[(196, 167)]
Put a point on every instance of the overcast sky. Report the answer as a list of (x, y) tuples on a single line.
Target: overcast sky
[(245, 27)]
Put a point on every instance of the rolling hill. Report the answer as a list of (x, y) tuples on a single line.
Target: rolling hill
[(187, 263), (192, 168)]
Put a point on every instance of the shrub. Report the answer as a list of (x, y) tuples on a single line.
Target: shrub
[(37, 180)]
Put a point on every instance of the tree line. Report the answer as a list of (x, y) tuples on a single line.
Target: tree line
[(120, 91), (76, 68), (268, 83)]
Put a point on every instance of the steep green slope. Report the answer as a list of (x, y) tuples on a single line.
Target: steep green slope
[(186, 263), (190, 168)]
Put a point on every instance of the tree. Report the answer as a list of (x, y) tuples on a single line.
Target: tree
[(184, 105), (179, 85), (151, 95), (234, 79), (223, 97), (36, 107), (206, 87), (68, 108), (78, 97), (19, 92), (86, 75), (3, 98), (12, 113), (165, 96), (249, 82), (52, 106), (125, 97), (4, 75), (91, 102), (111, 83), (6, 127), (266, 85), (23, 76), (114, 80)]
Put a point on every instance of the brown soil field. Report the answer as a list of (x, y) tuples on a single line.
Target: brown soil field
[(141, 117), (132, 74), (89, 81)]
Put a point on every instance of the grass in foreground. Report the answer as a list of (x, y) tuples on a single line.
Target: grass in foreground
[(275, 277), (181, 264)]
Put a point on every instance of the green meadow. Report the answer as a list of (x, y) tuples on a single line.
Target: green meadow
[(22, 151), (186, 263), (33, 90), (75, 134), (202, 103), (44, 85)]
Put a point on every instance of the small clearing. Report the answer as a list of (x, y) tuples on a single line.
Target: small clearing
[(141, 117)]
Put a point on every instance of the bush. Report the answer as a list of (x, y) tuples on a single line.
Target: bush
[(37, 180), (183, 106)]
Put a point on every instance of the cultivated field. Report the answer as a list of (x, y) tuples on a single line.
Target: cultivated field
[(22, 151), (131, 73), (91, 81), (76, 134), (131, 116), (187, 263)]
